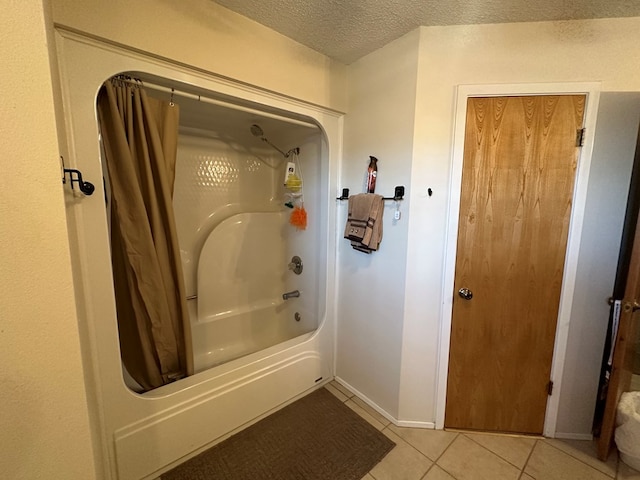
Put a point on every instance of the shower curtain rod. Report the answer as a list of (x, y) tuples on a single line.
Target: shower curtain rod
[(212, 101)]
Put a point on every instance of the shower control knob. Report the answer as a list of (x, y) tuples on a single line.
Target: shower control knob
[(296, 265), (465, 293)]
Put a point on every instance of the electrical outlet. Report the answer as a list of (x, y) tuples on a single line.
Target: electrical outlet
[(396, 215)]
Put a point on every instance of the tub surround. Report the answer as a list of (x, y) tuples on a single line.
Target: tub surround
[(141, 435)]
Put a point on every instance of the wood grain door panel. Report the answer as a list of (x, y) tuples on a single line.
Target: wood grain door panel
[(520, 158)]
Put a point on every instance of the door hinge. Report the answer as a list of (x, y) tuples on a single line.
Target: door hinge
[(550, 387), (580, 137)]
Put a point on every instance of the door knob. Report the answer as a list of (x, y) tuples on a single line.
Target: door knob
[(465, 293)]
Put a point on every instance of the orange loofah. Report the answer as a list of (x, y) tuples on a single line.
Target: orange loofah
[(299, 218)]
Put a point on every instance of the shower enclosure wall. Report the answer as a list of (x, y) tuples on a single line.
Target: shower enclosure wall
[(254, 351), (235, 238)]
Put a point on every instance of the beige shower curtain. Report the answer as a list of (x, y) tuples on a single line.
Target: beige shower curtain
[(139, 138)]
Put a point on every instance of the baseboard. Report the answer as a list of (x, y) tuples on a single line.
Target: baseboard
[(573, 436), (367, 400), (381, 411), (410, 424)]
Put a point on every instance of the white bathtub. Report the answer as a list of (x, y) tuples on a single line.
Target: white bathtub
[(141, 436), (242, 276)]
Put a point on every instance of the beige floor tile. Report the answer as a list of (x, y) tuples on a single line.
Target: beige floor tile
[(466, 460), (364, 414), (363, 405), (586, 451), (402, 463), (431, 443), (515, 450), (549, 463), (368, 477), (526, 477), (436, 473), (625, 472), (345, 391), (339, 395)]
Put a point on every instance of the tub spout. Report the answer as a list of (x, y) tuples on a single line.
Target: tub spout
[(292, 294)]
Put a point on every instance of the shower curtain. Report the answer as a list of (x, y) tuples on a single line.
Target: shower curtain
[(139, 138)]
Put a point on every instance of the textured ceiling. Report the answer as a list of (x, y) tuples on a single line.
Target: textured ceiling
[(349, 29)]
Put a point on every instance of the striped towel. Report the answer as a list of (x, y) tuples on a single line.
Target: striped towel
[(364, 221)]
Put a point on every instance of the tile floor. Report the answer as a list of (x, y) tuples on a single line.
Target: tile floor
[(440, 455)]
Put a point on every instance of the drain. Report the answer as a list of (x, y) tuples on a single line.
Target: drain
[(297, 316)]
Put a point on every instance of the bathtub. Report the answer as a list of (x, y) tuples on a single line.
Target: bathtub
[(242, 275), (253, 351), (140, 436), (219, 341)]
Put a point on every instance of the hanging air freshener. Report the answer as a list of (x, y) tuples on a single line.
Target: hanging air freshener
[(372, 173)]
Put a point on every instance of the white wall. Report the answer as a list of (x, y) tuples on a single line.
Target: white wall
[(44, 425), (546, 52), (202, 34), (611, 163), (371, 287), (576, 51)]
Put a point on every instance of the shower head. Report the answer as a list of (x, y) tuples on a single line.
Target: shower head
[(256, 130)]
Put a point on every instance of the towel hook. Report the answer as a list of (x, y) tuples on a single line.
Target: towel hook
[(76, 176)]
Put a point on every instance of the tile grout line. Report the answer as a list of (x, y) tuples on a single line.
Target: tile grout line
[(529, 458), (522, 470), (428, 470), (443, 452), (500, 456), (584, 463), (435, 462), (371, 411), (351, 398), (410, 445), (448, 446), (338, 390), (383, 425)]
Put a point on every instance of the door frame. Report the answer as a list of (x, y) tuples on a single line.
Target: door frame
[(592, 92)]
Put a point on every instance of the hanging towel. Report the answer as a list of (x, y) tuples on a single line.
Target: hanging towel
[(364, 221)]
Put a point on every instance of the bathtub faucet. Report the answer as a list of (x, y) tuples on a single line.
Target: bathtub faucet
[(292, 294)]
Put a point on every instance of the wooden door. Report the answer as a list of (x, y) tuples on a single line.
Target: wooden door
[(625, 346), (520, 158)]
